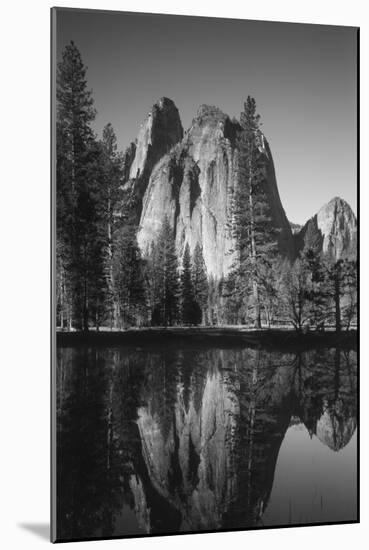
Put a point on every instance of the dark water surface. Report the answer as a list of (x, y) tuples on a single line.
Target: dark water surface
[(191, 439)]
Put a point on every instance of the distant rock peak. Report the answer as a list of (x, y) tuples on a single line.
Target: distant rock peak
[(337, 200), (336, 222)]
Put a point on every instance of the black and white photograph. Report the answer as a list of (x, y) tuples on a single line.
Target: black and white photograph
[(205, 289)]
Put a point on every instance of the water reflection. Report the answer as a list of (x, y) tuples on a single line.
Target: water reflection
[(153, 441)]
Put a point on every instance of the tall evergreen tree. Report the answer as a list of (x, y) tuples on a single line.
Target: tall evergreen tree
[(252, 225), (77, 160), (200, 281), (190, 309), (128, 277), (271, 288), (235, 302), (89, 261), (311, 259), (335, 283), (331, 289), (349, 310), (110, 201), (165, 301)]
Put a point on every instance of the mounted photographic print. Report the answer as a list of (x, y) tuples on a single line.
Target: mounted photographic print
[(204, 289)]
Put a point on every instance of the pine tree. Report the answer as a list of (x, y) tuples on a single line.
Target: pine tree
[(235, 302), (313, 238), (270, 288), (252, 225), (110, 199), (349, 310), (332, 285), (200, 281), (312, 260), (77, 161), (89, 260), (128, 277), (190, 309), (335, 287), (165, 288)]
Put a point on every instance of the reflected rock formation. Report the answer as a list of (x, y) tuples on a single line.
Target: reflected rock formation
[(334, 430), (213, 459), (187, 439), (327, 396)]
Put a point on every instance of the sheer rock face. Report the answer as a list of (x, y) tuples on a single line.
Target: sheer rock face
[(161, 129), (337, 225), (193, 186)]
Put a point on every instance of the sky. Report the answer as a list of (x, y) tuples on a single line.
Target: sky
[(303, 78)]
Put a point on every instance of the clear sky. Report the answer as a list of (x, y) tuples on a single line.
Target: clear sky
[(303, 78)]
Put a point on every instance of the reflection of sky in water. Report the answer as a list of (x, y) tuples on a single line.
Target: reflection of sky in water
[(312, 483)]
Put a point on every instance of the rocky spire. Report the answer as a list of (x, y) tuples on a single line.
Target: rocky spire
[(158, 133)]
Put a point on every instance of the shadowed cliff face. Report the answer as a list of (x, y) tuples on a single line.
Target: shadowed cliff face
[(161, 130), (192, 180), (187, 438), (337, 226)]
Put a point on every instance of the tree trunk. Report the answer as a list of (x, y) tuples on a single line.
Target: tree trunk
[(61, 291), (337, 302), (255, 289), (85, 308), (110, 276), (255, 293)]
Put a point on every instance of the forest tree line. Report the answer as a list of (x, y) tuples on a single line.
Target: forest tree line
[(104, 281)]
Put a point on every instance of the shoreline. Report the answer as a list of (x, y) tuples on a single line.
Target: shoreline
[(209, 336)]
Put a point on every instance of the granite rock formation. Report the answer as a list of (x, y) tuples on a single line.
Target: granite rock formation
[(191, 180), (190, 177), (161, 130), (337, 226)]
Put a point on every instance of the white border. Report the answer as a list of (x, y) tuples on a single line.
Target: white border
[(24, 272)]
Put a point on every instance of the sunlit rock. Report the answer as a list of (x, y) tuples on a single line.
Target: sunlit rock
[(337, 226), (193, 185), (158, 133)]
